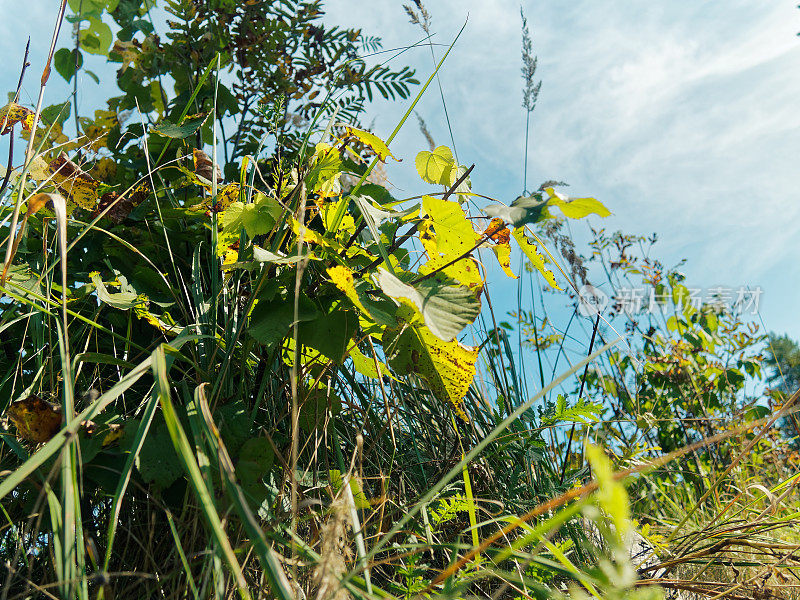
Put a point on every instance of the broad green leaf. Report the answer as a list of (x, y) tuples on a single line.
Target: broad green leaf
[(157, 462), (447, 367), (64, 61), (57, 113), (97, 38), (366, 364), (255, 461), (171, 130), (343, 278), (318, 406), (532, 252), (376, 144), (330, 333), (437, 167), (446, 309), (270, 321), (234, 424), (257, 218)]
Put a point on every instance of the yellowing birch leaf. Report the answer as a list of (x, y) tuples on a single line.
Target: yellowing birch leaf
[(532, 252)]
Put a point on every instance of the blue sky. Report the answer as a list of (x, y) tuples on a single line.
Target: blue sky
[(680, 116)]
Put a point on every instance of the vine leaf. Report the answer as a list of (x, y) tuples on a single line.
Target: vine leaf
[(437, 167), (531, 250), (577, 208), (157, 462), (344, 280), (523, 211), (447, 367), (446, 309), (527, 210), (255, 460), (501, 236)]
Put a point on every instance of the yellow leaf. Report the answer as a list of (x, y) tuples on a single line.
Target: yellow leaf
[(503, 254), (577, 208), (531, 250), (376, 144), (437, 167), (447, 367), (78, 187), (13, 113), (36, 420)]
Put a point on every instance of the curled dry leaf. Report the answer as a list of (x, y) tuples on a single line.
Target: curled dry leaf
[(36, 420), (498, 232), (203, 166), (117, 207), (13, 113)]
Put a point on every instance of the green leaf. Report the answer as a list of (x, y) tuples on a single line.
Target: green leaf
[(57, 113), (157, 462), (234, 424), (256, 218), (524, 210), (270, 321), (318, 406), (64, 62), (446, 309), (359, 498), (189, 127), (97, 38), (323, 177), (437, 167), (330, 333), (611, 494), (256, 458)]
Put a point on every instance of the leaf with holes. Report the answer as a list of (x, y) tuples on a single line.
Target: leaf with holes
[(447, 367), (372, 141), (531, 250)]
